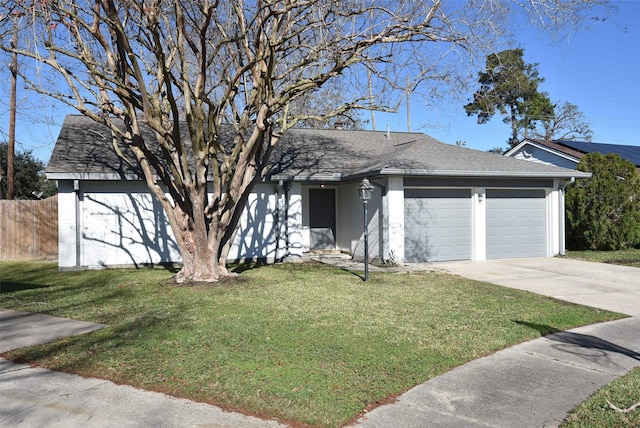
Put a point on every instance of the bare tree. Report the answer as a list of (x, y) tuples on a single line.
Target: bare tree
[(567, 123), (201, 64)]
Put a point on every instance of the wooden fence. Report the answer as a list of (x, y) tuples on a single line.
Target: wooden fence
[(29, 229)]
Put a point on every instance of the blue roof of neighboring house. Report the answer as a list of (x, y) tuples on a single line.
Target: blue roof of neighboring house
[(631, 153)]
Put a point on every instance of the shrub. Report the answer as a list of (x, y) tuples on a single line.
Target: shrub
[(603, 212)]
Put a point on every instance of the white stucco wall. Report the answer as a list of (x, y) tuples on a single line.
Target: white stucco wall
[(67, 242), (479, 227), (120, 223), (395, 204), (344, 197), (556, 217), (374, 227), (293, 245)]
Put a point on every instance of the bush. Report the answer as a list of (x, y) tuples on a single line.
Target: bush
[(603, 212)]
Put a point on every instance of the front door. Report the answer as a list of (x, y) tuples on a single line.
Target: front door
[(322, 219)]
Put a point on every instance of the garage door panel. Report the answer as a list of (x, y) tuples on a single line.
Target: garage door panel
[(516, 223), (437, 224)]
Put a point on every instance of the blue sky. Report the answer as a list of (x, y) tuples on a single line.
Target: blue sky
[(597, 69)]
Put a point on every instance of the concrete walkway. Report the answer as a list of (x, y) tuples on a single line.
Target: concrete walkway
[(533, 384)]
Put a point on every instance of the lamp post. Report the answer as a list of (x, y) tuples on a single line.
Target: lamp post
[(364, 190)]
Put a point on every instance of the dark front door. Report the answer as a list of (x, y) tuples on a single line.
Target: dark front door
[(322, 218)]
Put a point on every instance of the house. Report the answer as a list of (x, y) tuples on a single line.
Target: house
[(567, 154), (432, 201)]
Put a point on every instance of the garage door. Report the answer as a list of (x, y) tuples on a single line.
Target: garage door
[(516, 223), (437, 224)]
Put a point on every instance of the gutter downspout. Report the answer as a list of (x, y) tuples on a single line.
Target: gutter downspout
[(563, 215), (76, 190)]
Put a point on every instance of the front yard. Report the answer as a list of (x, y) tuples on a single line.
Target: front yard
[(309, 344)]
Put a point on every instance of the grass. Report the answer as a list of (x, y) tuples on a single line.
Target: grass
[(629, 257), (309, 344), (596, 412), (623, 392)]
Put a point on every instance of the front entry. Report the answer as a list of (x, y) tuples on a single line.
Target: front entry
[(322, 219)]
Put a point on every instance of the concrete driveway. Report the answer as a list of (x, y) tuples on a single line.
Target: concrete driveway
[(600, 285)]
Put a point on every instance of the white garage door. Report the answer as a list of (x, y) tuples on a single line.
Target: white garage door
[(516, 223), (437, 224)]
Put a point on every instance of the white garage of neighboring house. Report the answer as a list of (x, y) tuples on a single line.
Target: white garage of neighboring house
[(432, 201)]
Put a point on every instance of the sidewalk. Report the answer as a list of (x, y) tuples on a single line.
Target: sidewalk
[(534, 384)]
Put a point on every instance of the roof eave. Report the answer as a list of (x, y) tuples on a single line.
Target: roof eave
[(336, 177), (484, 174), (90, 176)]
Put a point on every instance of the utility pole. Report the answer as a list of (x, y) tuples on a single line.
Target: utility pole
[(11, 153)]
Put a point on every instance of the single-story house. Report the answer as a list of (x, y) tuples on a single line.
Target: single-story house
[(432, 201), (567, 154)]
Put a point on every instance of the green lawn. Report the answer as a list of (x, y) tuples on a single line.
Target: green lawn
[(629, 257), (622, 393), (306, 343)]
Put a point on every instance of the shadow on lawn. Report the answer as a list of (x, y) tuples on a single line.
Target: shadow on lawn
[(577, 341), (10, 287), (75, 354)]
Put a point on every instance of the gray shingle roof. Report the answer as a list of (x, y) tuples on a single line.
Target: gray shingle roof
[(84, 150)]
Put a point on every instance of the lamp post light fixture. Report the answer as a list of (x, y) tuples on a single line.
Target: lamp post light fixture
[(364, 190)]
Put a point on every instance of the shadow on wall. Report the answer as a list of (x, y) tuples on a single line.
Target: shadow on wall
[(131, 228), (256, 235), (127, 229)]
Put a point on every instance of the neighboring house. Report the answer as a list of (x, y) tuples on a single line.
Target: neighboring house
[(567, 154), (432, 201)]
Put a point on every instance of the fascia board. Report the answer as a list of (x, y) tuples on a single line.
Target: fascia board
[(494, 174), (91, 176)]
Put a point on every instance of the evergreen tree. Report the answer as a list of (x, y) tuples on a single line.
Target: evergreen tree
[(510, 86), (29, 175)]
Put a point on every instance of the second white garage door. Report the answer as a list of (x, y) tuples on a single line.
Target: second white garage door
[(437, 224), (516, 223)]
